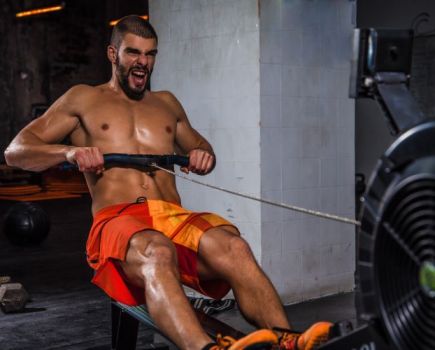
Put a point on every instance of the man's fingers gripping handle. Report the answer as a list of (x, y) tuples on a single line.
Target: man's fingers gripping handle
[(86, 159)]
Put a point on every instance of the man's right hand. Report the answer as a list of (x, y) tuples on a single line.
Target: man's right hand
[(87, 159)]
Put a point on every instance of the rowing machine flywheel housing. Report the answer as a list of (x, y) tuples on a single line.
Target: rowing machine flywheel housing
[(396, 242)]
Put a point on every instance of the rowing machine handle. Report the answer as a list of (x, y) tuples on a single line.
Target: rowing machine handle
[(136, 160)]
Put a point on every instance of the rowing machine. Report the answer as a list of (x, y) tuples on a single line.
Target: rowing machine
[(396, 240)]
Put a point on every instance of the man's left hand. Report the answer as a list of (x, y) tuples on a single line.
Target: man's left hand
[(200, 162)]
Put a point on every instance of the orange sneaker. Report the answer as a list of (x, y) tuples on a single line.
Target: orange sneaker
[(263, 339), (311, 339)]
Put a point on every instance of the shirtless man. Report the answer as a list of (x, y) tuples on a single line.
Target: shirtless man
[(143, 244)]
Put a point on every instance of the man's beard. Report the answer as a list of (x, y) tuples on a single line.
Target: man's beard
[(123, 73)]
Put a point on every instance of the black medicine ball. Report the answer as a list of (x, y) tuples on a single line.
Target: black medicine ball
[(26, 224)]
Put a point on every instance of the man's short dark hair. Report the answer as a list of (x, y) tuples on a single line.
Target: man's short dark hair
[(134, 25)]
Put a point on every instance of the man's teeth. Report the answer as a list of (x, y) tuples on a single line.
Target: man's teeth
[(139, 74)]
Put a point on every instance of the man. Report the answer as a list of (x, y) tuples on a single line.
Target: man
[(143, 243)]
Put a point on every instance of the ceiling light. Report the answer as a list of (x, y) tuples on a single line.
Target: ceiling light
[(39, 11), (112, 23)]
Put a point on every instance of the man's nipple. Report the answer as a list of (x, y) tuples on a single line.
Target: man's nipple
[(105, 126)]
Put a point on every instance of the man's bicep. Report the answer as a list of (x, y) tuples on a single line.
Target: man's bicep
[(60, 119), (52, 127), (187, 138)]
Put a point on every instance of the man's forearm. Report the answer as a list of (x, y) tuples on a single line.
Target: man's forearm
[(35, 157), (205, 146)]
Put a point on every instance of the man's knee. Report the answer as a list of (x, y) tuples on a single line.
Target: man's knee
[(237, 246), (226, 242), (230, 229), (235, 250), (149, 253), (153, 248)]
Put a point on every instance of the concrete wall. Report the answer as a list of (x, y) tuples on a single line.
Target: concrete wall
[(266, 83), (307, 145)]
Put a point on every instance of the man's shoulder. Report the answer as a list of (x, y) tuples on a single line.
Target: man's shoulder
[(76, 92), (171, 102), (168, 98), (164, 95), (82, 93), (81, 89)]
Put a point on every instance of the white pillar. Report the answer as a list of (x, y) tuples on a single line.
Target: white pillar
[(266, 83)]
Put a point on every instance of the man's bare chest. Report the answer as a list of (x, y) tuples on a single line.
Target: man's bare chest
[(117, 121)]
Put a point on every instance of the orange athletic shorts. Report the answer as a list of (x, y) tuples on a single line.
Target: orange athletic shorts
[(113, 227)]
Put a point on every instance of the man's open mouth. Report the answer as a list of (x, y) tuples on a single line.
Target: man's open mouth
[(138, 77)]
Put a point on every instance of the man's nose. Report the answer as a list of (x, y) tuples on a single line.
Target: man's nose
[(143, 59)]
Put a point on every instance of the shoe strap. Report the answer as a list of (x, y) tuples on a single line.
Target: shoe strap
[(288, 335), (224, 342)]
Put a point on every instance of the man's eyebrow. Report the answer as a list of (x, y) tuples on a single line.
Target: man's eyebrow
[(134, 50)]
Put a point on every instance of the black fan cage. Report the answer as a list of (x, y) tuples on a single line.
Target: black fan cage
[(405, 245)]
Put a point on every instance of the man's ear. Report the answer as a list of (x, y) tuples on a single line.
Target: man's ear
[(111, 53)]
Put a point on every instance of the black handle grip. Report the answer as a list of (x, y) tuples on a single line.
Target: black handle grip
[(182, 161), (138, 161)]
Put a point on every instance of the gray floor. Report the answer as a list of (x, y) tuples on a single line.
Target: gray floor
[(68, 312)]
